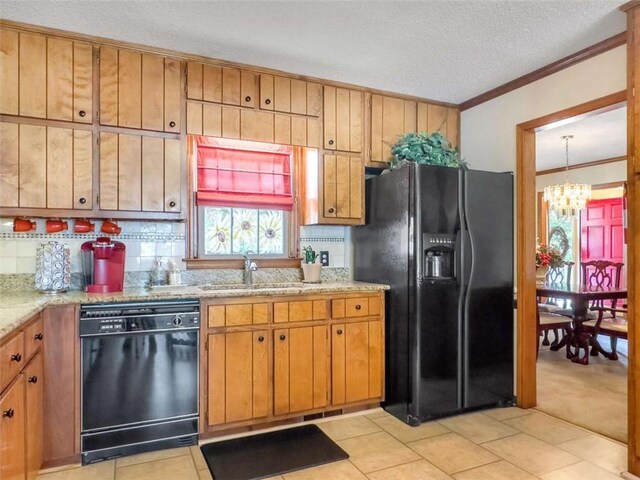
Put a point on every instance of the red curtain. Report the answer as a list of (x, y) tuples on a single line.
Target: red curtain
[(243, 174)]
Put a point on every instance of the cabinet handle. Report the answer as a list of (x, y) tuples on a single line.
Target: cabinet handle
[(82, 113), (172, 204), (330, 142), (331, 210), (339, 331), (172, 124), (82, 200), (8, 413), (261, 339), (358, 307), (283, 337), (38, 336), (267, 101), (33, 379), (16, 357), (247, 98)]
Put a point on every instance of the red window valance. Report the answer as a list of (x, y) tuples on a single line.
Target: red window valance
[(243, 174)]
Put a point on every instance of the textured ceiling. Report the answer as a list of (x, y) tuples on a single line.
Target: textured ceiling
[(447, 50), (594, 138)]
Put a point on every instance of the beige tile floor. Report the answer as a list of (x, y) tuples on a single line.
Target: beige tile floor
[(502, 444)]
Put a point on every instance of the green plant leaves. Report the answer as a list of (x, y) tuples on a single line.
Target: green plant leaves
[(424, 148)]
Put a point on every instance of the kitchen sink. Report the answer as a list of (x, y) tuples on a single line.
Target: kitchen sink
[(255, 286)]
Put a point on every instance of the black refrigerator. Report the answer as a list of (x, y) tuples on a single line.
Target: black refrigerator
[(442, 238)]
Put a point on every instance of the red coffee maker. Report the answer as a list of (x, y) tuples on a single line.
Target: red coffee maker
[(103, 265)]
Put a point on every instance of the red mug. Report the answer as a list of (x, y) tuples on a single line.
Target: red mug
[(54, 225), (23, 225), (110, 227), (83, 226)]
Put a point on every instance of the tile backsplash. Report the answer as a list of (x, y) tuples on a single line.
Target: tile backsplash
[(144, 241)]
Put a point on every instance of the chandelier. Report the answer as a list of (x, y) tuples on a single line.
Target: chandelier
[(568, 199)]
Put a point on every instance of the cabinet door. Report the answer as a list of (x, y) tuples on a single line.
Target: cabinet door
[(343, 181), (299, 369), (11, 359), (212, 83), (139, 90), (390, 118), (256, 126), (140, 173), (34, 415), (238, 371), (356, 362), (46, 77), (12, 432), (343, 111), (433, 118)]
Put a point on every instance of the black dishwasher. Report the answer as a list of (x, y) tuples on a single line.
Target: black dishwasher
[(139, 377)]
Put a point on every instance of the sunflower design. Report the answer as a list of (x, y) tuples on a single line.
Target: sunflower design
[(271, 234), (245, 230), (217, 227)]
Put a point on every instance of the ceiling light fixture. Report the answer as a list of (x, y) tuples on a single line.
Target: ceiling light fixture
[(568, 199)]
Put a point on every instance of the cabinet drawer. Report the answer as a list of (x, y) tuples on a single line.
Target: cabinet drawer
[(299, 311), (355, 307), (237, 314), (11, 359), (33, 337)]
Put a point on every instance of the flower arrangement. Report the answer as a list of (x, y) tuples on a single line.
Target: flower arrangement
[(548, 256)]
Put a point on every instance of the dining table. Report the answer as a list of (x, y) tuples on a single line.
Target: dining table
[(581, 297)]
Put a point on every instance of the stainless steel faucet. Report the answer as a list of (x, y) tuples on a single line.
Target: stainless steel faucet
[(249, 267)]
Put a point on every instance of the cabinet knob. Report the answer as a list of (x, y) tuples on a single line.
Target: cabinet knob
[(358, 307), (331, 210), (33, 379), (267, 101), (283, 337), (172, 204), (261, 339), (330, 142), (82, 113), (8, 413), (339, 331), (16, 357), (38, 336), (82, 200), (172, 124), (247, 98)]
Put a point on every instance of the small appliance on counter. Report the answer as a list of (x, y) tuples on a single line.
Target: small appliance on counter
[(53, 267), (103, 265)]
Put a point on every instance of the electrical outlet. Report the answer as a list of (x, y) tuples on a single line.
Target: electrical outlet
[(324, 258)]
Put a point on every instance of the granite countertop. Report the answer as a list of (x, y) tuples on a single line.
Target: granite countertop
[(17, 307)]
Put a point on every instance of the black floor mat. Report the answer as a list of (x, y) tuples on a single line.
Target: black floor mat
[(269, 454)]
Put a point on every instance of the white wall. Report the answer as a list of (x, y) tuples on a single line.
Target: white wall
[(488, 131), (598, 174)]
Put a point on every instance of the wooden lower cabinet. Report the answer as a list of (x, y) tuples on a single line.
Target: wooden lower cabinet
[(356, 362), (299, 369), (12, 432), (33, 376), (238, 384)]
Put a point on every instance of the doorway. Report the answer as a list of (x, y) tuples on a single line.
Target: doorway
[(527, 334)]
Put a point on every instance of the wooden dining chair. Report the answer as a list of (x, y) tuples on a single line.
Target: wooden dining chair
[(547, 321), (611, 322), (558, 276), (602, 273)]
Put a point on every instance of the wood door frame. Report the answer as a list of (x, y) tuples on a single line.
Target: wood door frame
[(526, 382)]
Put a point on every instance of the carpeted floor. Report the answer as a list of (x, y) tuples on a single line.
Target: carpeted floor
[(592, 396)]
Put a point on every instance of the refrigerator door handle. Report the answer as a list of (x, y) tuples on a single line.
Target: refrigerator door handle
[(461, 248)]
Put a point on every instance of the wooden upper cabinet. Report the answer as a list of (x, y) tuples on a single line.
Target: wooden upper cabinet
[(45, 167), (390, 118), (343, 114), (290, 95), (238, 376), (356, 362), (46, 77), (342, 190), (216, 84), (300, 369), (433, 118), (139, 173), (139, 90)]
